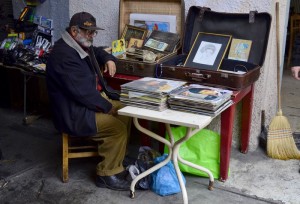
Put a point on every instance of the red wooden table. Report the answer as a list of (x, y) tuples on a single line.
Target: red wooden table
[(227, 120)]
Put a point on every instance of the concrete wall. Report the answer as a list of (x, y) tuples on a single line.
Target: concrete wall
[(107, 14)]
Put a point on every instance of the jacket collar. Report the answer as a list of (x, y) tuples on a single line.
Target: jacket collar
[(72, 43)]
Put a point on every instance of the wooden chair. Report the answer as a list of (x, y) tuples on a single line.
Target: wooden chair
[(294, 29), (72, 148)]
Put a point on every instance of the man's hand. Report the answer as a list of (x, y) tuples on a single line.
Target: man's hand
[(113, 111), (296, 72), (110, 66)]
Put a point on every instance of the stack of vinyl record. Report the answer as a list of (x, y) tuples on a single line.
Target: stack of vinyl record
[(150, 93), (195, 98)]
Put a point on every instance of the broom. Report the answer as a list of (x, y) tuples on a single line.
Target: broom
[(280, 141)]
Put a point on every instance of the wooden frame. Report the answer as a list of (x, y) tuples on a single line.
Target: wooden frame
[(133, 32), (208, 51)]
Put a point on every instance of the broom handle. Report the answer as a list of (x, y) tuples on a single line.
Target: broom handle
[(278, 55)]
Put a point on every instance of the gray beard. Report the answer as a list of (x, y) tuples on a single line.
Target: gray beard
[(84, 42)]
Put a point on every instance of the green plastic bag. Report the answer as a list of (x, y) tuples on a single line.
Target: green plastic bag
[(202, 149)]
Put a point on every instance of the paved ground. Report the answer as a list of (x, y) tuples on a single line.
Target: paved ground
[(30, 171)]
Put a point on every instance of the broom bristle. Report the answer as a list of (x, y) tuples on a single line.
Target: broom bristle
[(280, 141)]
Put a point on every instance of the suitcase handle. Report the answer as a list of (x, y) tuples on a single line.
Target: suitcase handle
[(198, 76)]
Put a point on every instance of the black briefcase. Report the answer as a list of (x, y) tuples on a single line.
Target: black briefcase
[(231, 73)]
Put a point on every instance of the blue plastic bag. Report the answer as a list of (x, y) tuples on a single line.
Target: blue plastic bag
[(164, 181)]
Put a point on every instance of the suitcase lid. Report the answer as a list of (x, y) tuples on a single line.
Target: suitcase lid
[(160, 7), (252, 26)]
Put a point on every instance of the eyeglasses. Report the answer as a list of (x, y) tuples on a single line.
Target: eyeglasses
[(92, 33)]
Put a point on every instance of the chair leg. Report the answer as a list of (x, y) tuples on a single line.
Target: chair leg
[(65, 158)]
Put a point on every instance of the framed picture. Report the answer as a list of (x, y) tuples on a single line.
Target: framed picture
[(166, 23), (135, 43), (153, 25), (208, 51), (133, 32), (118, 48), (240, 49)]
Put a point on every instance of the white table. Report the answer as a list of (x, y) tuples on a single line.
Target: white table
[(193, 122)]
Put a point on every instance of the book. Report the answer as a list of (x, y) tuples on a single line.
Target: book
[(152, 85), (240, 49), (200, 94), (198, 110), (118, 49), (150, 93), (145, 102), (136, 96)]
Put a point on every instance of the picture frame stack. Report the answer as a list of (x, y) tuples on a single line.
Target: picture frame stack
[(156, 17)]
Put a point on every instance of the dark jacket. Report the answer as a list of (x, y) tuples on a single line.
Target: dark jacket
[(296, 51), (71, 83)]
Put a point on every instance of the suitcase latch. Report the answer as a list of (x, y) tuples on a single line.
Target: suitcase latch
[(198, 75), (129, 68)]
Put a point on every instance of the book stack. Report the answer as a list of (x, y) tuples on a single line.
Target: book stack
[(195, 98), (150, 93)]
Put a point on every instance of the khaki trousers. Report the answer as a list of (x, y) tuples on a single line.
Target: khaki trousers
[(112, 138)]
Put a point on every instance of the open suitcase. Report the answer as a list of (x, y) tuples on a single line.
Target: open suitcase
[(252, 26), (159, 7)]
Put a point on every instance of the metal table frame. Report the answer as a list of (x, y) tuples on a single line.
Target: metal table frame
[(27, 75), (193, 122)]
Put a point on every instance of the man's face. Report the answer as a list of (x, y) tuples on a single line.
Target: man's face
[(209, 51), (85, 37)]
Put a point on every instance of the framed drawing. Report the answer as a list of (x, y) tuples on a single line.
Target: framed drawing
[(208, 51), (133, 32)]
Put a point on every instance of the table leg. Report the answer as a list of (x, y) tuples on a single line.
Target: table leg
[(24, 97), (154, 168), (146, 173), (175, 157), (227, 119), (246, 120), (145, 140), (27, 119), (174, 153), (175, 160)]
